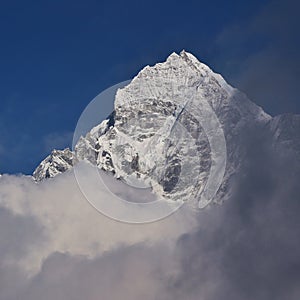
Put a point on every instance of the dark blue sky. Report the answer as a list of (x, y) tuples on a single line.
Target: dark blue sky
[(56, 56)]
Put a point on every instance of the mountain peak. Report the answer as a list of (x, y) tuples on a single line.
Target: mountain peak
[(155, 135)]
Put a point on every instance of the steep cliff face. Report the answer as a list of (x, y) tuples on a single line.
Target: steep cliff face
[(157, 135)]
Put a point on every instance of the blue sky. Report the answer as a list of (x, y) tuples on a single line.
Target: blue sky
[(56, 56)]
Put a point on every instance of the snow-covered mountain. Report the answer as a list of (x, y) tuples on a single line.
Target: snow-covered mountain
[(155, 136)]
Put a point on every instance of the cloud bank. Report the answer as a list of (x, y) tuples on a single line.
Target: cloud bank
[(54, 245)]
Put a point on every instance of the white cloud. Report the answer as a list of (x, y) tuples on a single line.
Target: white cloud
[(69, 224), (54, 245)]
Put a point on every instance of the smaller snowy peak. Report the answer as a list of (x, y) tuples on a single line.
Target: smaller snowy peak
[(57, 162)]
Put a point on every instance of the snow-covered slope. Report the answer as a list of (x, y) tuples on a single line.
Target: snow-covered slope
[(155, 136)]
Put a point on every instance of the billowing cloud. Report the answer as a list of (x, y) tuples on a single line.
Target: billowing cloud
[(55, 245), (71, 224), (248, 248)]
